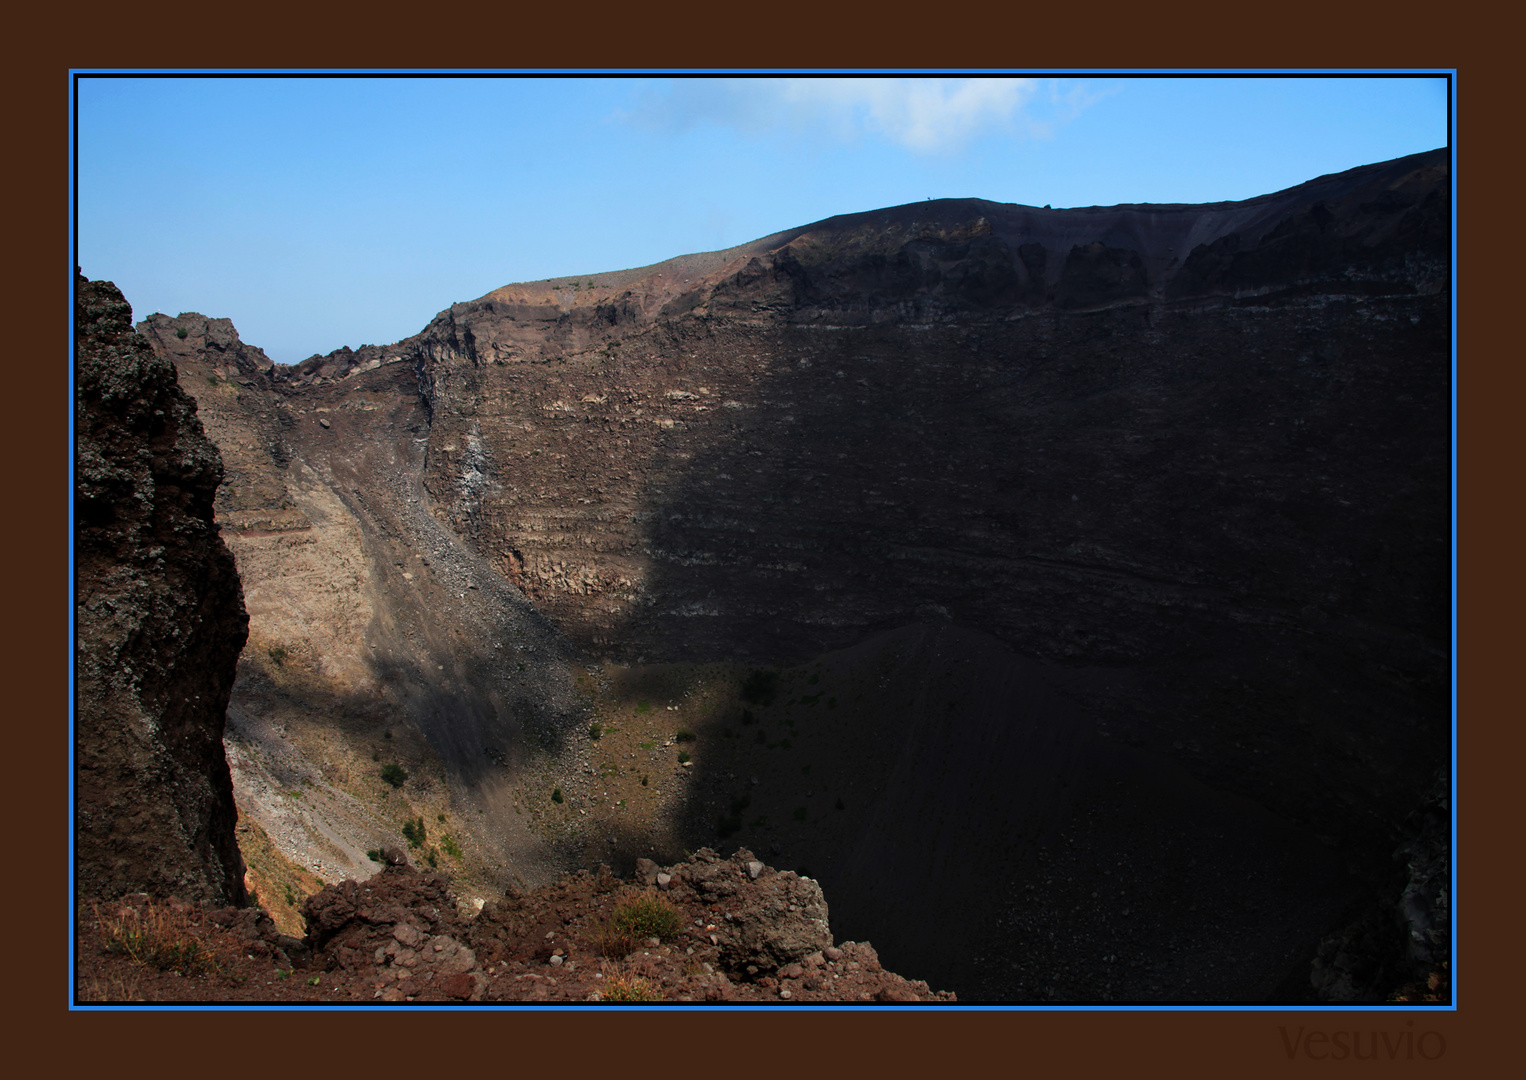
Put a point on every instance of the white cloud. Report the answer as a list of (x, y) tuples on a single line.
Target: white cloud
[(924, 115)]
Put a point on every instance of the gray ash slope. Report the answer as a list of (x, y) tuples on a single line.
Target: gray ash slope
[(1183, 470)]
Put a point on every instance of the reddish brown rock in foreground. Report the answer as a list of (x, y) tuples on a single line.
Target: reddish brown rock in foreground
[(732, 930)]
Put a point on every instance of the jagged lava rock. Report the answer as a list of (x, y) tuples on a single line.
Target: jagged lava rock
[(161, 622), (399, 929), (774, 918)]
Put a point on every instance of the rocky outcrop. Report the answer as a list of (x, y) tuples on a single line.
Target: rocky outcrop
[(401, 926), (160, 623), (757, 927)]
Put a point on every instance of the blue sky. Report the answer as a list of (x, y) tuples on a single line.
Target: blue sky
[(320, 212)]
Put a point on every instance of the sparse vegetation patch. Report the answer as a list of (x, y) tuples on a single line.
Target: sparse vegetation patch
[(158, 937), (413, 832)]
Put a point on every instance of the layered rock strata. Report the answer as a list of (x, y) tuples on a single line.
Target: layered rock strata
[(1194, 457)]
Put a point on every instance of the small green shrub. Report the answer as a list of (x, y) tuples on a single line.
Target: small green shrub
[(181, 332), (452, 848), (374, 855), (595, 731), (277, 654), (648, 916), (413, 832), (643, 706), (556, 795), (432, 857), (684, 735), (394, 774), (683, 756), (644, 778)]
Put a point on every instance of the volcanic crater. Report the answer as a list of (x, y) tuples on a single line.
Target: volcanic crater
[(1065, 590)]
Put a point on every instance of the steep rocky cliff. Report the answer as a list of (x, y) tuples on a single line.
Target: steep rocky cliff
[(160, 622), (1195, 457), (1102, 552)]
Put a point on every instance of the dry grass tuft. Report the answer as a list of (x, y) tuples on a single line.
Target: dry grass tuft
[(629, 988), (156, 936), (112, 989), (614, 942)]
